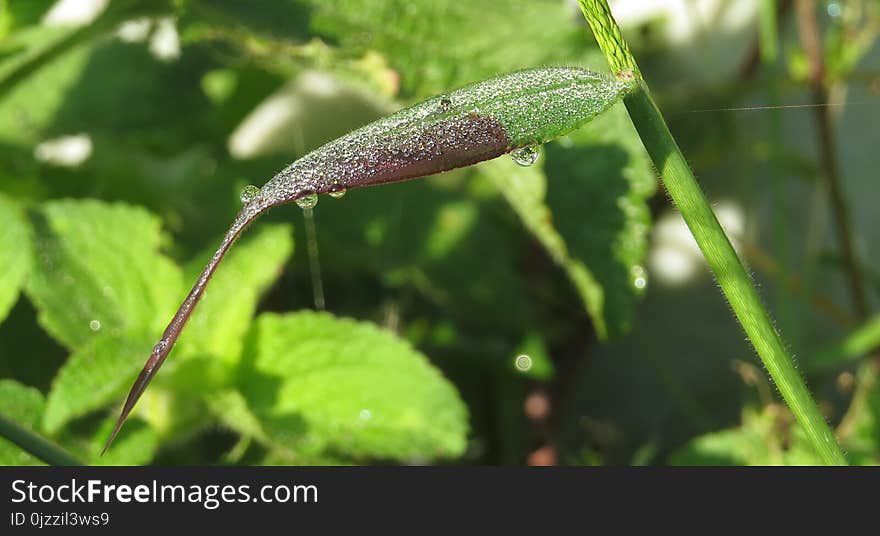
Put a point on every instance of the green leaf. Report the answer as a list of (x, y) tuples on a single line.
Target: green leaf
[(231, 409), (15, 254), (588, 208), (429, 238), (441, 44), (24, 405), (28, 103), (96, 374), (767, 438), (219, 323), (98, 271), (598, 190), (525, 190), (23, 14), (53, 45), (136, 443), (175, 404), (320, 383)]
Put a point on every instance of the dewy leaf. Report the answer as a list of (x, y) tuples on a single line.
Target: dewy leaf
[(218, 326), (475, 123), (323, 383), (472, 124), (94, 375), (15, 254), (24, 405), (98, 271)]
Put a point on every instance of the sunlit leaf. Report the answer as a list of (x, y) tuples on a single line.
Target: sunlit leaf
[(24, 405), (96, 374), (15, 253), (322, 383), (98, 271)]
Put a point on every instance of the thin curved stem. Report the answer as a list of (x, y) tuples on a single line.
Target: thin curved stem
[(175, 327)]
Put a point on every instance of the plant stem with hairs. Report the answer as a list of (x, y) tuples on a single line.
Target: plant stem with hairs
[(729, 271)]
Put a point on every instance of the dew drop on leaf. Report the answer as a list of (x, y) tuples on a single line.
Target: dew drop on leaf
[(834, 10), (95, 325), (523, 363), (640, 279), (526, 156), (338, 192), (308, 201), (248, 193)]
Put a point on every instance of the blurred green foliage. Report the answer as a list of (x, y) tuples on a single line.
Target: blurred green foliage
[(167, 109)]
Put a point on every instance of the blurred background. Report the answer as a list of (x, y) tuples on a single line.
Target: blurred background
[(497, 315)]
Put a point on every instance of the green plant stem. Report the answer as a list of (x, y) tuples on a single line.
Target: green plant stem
[(35, 444), (732, 276)]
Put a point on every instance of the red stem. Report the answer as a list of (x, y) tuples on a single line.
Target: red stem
[(175, 327)]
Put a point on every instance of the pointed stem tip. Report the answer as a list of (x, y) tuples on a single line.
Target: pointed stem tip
[(175, 327)]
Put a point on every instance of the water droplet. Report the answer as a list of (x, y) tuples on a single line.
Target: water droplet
[(248, 193), (365, 415), (160, 346), (338, 192), (523, 363), (445, 104), (834, 10), (639, 277), (526, 156), (308, 201), (95, 325)]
